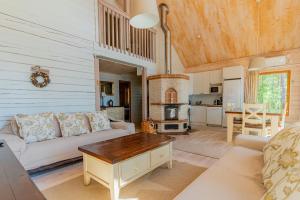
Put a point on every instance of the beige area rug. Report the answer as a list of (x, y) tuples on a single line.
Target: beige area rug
[(160, 184), (207, 141)]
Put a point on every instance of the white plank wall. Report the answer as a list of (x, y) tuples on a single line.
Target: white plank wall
[(58, 35)]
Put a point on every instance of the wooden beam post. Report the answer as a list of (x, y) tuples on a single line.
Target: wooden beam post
[(144, 94), (97, 84)]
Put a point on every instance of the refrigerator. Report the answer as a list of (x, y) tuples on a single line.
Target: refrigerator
[(233, 93)]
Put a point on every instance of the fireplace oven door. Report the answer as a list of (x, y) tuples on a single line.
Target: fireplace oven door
[(171, 112)]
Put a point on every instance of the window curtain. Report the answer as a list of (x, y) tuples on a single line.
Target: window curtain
[(251, 87)]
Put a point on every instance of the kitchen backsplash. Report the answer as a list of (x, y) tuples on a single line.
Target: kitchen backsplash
[(204, 98)]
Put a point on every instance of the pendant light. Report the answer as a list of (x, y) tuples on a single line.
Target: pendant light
[(144, 14)]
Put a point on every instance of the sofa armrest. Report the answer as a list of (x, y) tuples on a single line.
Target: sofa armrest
[(251, 141), (15, 143), (123, 125)]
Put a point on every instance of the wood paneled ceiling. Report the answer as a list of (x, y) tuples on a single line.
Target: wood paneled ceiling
[(212, 31)]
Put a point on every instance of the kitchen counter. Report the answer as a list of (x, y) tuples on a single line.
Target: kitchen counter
[(207, 105)]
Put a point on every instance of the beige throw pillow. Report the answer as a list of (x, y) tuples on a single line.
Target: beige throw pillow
[(99, 121), (36, 128), (72, 124)]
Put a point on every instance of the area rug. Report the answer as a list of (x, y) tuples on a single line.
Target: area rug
[(160, 184), (210, 142)]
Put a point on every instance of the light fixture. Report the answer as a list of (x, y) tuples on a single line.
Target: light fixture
[(257, 63), (144, 14)]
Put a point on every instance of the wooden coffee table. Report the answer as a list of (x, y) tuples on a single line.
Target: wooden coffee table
[(117, 162)]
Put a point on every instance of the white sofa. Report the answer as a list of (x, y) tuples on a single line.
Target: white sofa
[(39, 154), (236, 176)]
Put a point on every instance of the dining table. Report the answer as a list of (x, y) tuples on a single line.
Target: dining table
[(274, 119)]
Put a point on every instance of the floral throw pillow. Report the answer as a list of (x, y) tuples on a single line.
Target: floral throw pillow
[(36, 128), (72, 124), (99, 121), (287, 187), (276, 142), (284, 154)]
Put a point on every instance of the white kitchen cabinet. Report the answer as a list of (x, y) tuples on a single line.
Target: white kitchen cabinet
[(198, 115), (214, 115), (201, 83), (233, 72), (215, 77)]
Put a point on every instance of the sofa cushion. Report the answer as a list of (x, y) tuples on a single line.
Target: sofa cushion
[(99, 121), (36, 128), (44, 153), (72, 124), (233, 177)]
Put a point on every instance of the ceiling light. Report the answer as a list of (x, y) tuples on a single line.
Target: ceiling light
[(144, 14)]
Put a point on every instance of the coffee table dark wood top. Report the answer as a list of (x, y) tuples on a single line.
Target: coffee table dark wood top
[(122, 148)]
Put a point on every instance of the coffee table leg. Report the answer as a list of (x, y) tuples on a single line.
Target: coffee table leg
[(114, 185), (86, 177), (170, 163)]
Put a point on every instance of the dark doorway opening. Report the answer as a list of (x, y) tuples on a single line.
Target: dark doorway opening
[(125, 98)]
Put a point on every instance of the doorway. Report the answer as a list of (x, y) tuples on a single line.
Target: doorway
[(125, 98)]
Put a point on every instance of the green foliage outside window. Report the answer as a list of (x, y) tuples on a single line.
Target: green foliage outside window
[(272, 91)]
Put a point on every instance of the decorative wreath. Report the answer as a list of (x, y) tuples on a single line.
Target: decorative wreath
[(35, 79)]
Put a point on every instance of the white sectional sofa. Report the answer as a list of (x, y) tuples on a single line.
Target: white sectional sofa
[(236, 176), (40, 154)]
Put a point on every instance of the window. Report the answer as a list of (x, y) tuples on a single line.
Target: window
[(274, 90)]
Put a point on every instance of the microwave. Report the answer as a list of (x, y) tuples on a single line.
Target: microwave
[(215, 89)]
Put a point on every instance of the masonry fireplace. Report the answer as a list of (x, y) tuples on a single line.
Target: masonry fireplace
[(171, 112)]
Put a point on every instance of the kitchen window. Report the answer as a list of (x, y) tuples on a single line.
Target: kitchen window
[(274, 90)]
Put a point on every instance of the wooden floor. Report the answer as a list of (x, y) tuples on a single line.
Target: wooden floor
[(61, 175)]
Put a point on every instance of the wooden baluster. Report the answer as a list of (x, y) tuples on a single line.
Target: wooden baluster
[(147, 44), (117, 31), (104, 26), (122, 33), (140, 43), (150, 45), (100, 24), (109, 27), (154, 46), (113, 41), (129, 39), (135, 41)]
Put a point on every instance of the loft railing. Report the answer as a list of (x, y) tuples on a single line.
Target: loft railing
[(116, 33)]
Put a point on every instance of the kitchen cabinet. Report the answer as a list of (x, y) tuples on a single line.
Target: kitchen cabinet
[(233, 72), (201, 83), (198, 115), (215, 77), (214, 116)]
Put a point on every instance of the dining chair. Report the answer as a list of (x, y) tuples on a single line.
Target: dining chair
[(254, 119), (282, 118)]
